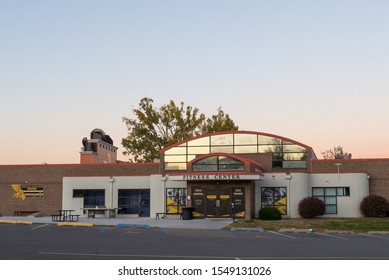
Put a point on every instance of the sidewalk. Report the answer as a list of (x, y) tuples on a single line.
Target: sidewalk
[(216, 224)]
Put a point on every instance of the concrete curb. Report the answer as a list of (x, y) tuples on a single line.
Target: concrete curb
[(15, 222), (379, 232), (247, 229), (74, 224), (133, 226), (339, 231)]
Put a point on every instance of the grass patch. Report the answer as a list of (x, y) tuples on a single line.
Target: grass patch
[(319, 224)]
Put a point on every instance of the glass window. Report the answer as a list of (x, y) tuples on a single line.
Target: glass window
[(204, 167), (245, 149), (92, 198), (267, 140), (198, 150), (318, 191), (343, 191), (274, 197), (222, 149), (218, 163), (136, 201), (204, 141), (294, 148), (175, 200), (330, 191), (245, 139), (175, 158), (264, 149), (176, 151), (294, 156), (329, 196), (221, 140)]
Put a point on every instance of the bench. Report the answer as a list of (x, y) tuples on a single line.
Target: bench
[(164, 214), (25, 212)]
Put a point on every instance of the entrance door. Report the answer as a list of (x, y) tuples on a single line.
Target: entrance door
[(218, 203)]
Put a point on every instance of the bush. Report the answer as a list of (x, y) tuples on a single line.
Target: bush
[(374, 206), (311, 207), (269, 213)]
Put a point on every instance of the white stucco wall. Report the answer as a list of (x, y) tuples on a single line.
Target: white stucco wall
[(347, 206), (296, 184), (299, 186), (154, 183)]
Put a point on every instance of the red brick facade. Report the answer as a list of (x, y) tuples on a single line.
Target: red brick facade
[(50, 178)]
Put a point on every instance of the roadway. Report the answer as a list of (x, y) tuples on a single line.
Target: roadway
[(51, 242)]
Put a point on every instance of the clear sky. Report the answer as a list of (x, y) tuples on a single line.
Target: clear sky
[(313, 71)]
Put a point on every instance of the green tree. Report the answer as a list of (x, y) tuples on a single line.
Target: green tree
[(153, 128), (219, 122), (335, 153)]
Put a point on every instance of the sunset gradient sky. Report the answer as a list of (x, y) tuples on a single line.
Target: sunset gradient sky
[(313, 71)]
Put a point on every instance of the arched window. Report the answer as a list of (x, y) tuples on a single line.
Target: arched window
[(218, 163)]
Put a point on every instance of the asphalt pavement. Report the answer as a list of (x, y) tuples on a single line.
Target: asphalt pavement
[(174, 223)]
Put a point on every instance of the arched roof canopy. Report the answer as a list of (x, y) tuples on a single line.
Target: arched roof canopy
[(287, 153)]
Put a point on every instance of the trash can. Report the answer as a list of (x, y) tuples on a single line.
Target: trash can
[(187, 213)]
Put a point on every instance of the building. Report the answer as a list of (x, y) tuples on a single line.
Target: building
[(220, 175)]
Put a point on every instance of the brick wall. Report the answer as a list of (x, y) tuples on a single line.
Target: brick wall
[(50, 178), (378, 170)]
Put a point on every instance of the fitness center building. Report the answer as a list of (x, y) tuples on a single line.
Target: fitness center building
[(219, 175)]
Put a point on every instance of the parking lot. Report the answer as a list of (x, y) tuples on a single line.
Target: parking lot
[(47, 241)]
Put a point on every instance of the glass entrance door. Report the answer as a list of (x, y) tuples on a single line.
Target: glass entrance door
[(218, 203)]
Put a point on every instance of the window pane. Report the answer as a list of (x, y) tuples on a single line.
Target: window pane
[(317, 191), (198, 150), (294, 148), (204, 167), (264, 149), (221, 149), (330, 191), (330, 209), (231, 167), (330, 200), (294, 156), (204, 141), (175, 158), (176, 151), (245, 139), (245, 149), (224, 139), (207, 160), (268, 140)]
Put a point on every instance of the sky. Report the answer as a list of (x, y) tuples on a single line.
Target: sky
[(313, 71)]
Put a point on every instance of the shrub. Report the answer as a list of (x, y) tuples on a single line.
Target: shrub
[(374, 206), (311, 207), (269, 213)]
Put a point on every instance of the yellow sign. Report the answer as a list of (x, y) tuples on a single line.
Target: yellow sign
[(18, 192)]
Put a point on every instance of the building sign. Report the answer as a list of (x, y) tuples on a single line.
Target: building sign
[(29, 191), (208, 177)]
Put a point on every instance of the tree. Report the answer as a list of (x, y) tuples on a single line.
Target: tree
[(218, 123), (336, 153), (153, 128)]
